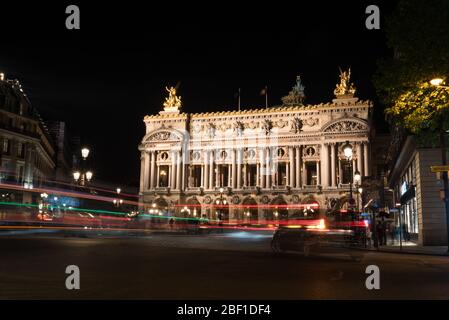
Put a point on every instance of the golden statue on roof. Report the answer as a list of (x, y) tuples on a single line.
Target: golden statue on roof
[(344, 88), (172, 102)]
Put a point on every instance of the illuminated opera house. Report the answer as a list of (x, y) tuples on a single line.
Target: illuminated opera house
[(259, 164)]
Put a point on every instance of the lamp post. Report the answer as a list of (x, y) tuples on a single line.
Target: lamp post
[(220, 202), (83, 175), (357, 180), (118, 202), (398, 206), (347, 150), (438, 82)]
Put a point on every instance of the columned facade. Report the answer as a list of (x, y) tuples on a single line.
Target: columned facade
[(290, 154)]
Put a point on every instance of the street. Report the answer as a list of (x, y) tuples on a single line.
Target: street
[(234, 265)]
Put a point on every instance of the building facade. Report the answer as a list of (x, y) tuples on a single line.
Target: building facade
[(66, 146), (418, 192), (258, 164), (27, 153)]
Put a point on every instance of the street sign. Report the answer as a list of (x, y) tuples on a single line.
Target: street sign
[(439, 168)]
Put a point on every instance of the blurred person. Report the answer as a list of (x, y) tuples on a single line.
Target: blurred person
[(369, 235), (393, 232), (380, 233)]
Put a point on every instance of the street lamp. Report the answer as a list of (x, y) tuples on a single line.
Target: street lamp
[(357, 177), (357, 180), (89, 175), (438, 82), (81, 176), (347, 150), (398, 206), (119, 201), (85, 153), (220, 202)]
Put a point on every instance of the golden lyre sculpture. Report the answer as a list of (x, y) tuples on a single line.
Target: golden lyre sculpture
[(344, 88), (173, 102)]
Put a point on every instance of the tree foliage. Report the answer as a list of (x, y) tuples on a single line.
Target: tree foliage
[(422, 110), (418, 34)]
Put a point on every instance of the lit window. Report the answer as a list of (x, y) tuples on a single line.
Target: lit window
[(20, 149), (5, 148)]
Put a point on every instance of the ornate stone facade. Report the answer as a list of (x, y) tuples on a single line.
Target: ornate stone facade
[(27, 152), (262, 158)]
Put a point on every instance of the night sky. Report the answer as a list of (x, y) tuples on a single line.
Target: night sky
[(103, 79)]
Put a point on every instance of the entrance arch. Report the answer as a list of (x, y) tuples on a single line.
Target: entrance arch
[(251, 212), (159, 204), (192, 208), (310, 208), (221, 209), (279, 209)]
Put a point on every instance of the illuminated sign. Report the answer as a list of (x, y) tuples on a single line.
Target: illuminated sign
[(403, 187)]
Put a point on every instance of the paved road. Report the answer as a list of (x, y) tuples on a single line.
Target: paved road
[(238, 265)]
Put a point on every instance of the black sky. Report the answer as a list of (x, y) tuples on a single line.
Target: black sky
[(104, 78)]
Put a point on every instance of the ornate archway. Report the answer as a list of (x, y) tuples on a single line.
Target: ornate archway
[(279, 209), (310, 208), (250, 210), (160, 204), (221, 205), (192, 208)]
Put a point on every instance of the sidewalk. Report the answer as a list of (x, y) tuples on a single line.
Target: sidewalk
[(410, 247)]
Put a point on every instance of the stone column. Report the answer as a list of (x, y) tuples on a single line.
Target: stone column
[(359, 158), (340, 173), (239, 168), (324, 165), (142, 172), (245, 174), (304, 174), (318, 175), (366, 159), (258, 174), (183, 169), (333, 171), (262, 170), (298, 167), (146, 174), (178, 170), (202, 176), (211, 170), (217, 176), (172, 171), (157, 176), (206, 170), (267, 168), (353, 164), (229, 175), (291, 167), (153, 163), (233, 165)]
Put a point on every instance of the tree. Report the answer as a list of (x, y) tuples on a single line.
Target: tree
[(418, 33), (423, 110)]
